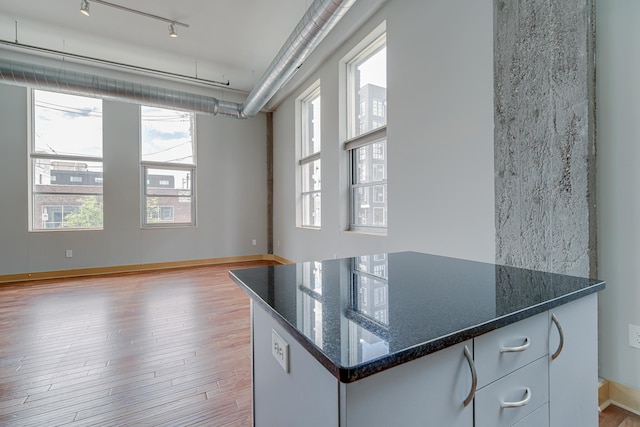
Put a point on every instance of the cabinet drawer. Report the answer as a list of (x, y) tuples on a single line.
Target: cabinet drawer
[(490, 400), (538, 418), (491, 351)]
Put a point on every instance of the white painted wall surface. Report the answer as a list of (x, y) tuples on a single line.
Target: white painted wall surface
[(231, 196), (618, 185), (440, 139)]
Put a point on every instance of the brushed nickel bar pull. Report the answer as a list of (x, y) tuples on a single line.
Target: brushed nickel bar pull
[(523, 347), (555, 320), (527, 398), (474, 376)]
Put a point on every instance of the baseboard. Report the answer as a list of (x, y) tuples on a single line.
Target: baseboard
[(612, 393), (80, 272)]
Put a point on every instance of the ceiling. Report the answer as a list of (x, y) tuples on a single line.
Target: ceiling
[(230, 41)]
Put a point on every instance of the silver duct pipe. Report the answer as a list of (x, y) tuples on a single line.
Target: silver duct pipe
[(316, 23), (49, 78), (319, 19)]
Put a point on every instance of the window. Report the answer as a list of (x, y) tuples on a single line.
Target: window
[(310, 163), (367, 137), (168, 164), (66, 162)]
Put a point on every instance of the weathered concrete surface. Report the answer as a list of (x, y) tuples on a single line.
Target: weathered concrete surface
[(544, 134)]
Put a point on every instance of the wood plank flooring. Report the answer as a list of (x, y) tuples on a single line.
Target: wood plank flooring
[(168, 348), (613, 416)]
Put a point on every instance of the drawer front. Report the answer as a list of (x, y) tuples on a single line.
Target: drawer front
[(538, 418), (490, 401), (496, 353)]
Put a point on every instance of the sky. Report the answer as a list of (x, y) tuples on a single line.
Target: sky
[(69, 125)]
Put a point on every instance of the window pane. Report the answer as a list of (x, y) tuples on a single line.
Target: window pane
[(369, 166), (168, 196), (68, 211), (164, 182), (175, 210), (369, 207), (67, 176), (167, 135), (311, 196), (311, 176), (311, 126), (66, 124), (311, 213), (66, 194), (369, 91)]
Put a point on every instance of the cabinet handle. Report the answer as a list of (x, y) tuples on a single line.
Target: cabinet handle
[(527, 398), (474, 376), (517, 349), (561, 344)]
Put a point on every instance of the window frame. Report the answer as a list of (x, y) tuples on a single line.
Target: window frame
[(307, 159), (34, 156), (359, 140), (190, 168)]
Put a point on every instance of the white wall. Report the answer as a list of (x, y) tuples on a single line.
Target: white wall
[(618, 185), (440, 139), (231, 196)]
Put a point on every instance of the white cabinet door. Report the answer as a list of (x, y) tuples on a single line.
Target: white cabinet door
[(306, 395), (573, 374), (507, 349), (512, 398), (428, 391)]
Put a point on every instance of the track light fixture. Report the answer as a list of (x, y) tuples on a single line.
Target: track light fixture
[(84, 9)]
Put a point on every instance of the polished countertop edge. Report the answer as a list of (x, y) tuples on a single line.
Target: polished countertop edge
[(352, 374)]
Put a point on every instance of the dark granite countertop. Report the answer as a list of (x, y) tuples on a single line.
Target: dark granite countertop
[(358, 316)]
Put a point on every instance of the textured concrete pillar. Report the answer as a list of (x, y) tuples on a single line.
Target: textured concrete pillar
[(544, 134)]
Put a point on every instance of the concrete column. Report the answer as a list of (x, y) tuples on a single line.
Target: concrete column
[(544, 69)]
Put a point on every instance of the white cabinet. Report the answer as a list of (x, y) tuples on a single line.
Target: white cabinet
[(512, 372), (514, 365), (512, 398), (502, 351), (573, 374), (305, 396), (428, 391), (538, 418)]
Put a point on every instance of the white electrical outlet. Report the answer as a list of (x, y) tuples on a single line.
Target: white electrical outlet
[(280, 350), (68, 253), (634, 336), (253, 242)]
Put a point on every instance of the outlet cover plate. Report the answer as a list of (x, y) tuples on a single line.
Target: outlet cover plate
[(634, 336), (280, 350)]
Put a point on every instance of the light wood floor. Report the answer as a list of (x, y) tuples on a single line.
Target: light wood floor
[(169, 348), (162, 348)]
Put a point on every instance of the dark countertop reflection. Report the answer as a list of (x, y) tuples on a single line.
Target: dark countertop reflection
[(358, 316)]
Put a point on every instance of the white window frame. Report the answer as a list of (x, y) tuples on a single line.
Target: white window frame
[(190, 168), (353, 142), (306, 159), (34, 156)]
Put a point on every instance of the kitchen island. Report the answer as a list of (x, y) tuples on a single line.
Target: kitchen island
[(416, 339)]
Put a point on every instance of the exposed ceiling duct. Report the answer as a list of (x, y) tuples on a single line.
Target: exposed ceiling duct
[(317, 22)]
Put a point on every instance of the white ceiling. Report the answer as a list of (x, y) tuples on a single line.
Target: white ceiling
[(227, 40)]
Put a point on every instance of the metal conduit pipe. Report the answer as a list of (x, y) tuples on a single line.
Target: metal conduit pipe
[(319, 19), (316, 23), (49, 78)]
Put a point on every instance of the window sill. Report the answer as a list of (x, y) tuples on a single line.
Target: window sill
[(164, 227), (366, 233), (307, 227)]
